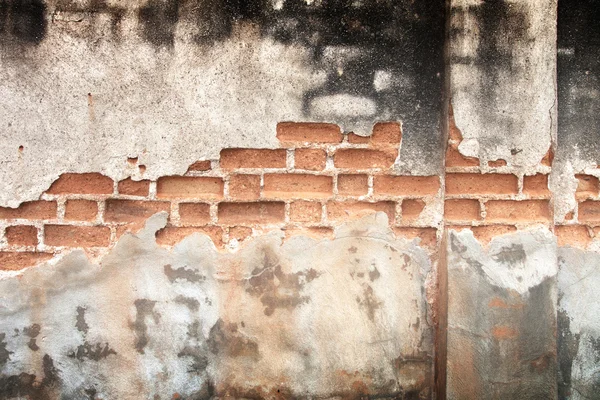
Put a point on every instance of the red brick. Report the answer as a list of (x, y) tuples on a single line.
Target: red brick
[(194, 213), (518, 211), (302, 132), (14, 261), (170, 236), (305, 211), (589, 211), (536, 185), (203, 165), (310, 159), (189, 187), (485, 234), (240, 232), (21, 235), (353, 184), (573, 235), (81, 210), (462, 210), (357, 139), (244, 187), (384, 133), (89, 183), (411, 209), (76, 236), (455, 159), (478, 184), (341, 211), (548, 158), (297, 186), (253, 158), (30, 210), (587, 186), (497, 163), (315, 232), (406, 185), (364, 158), (427, 235), (134, 188), (133, 211), (252, 213)]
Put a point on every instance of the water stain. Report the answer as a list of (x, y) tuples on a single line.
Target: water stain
[(144, 309)]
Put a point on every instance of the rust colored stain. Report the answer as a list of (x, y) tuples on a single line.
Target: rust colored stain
[(497, 302), (504, 332)]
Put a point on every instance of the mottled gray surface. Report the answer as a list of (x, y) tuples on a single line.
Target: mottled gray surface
[(301, 319), (84, 85), (502, 316)]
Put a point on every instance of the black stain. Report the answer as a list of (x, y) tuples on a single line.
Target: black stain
[(189, 302), (159, 19), (182, 273), (23, 20), (4, 353), (80, 323), (567, 346), (27, 386), (144, 308), (32, 331), (92, 352), (225, 340), (513, 254)]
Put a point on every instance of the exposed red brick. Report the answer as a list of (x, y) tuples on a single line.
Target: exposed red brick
[(573, 235), (203, 165), (411, 209), (462, 210), (30, 210), (244, 187), (76, 236), (240, 232), (265, 212), (587, 186), (504, 332), (497, 163), (194, 213), (89, 183), (478, 184), (536, 185), (406, 185), (170, 236), (343, 210), (133, 211), (14, 261), (548, 158), (81, 210), (294, 132), (485, 234), (253, 158), (305, 211), (427, 235), (518, 211), (190, 187), (134, 188), (455, 159), (310, 159), (357, 139), (353, 184), (589, 211), (315, 232), (364, 158), (21, 235), (297, 186), (386, 133)]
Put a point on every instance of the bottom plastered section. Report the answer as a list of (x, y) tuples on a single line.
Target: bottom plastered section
[(304, 318)]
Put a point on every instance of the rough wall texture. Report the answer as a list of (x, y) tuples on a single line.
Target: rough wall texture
[(167, 232)]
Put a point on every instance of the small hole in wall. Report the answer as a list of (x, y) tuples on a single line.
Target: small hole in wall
[(142, 168), (132, 160), (21, 148)]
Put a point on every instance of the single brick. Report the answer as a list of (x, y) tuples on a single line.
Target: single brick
[(253, 158), (14, 261), (587, 186), (239, 232), (30, 210), (266, 212), (310, 159), (133, 211), (497, 163), (90, 183), (170, 236), (478, 184), (81, 210), (305, 211), (589, 211), (203, 165), (76, 236), (353, 184), (194, 213), (518, 211), (485, 234), (536, 185), (364, 158), (244, 187), (341, 211), (406, 185), (357, 139), (411, 209), (134, 188), (297, 186), (387, 133), (573, 235), (21, 235), (302, 132), (455, 159), (428, 236), (189, 187), (462, 210)]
